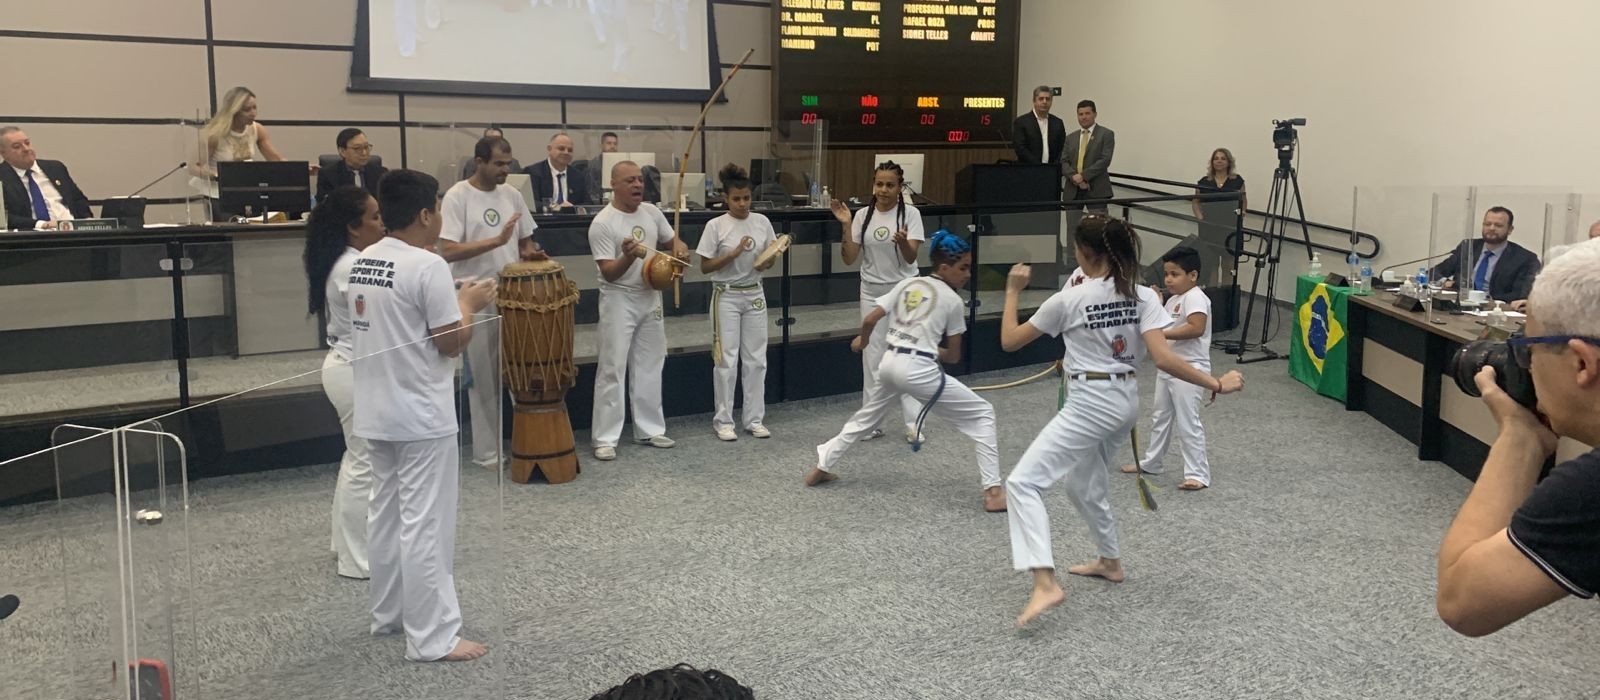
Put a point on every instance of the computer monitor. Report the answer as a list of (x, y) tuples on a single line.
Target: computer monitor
[(253, 188), (523, 183), (911, 163), (610, 160), (694, 189)]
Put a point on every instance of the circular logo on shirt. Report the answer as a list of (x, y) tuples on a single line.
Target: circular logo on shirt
[(916, 303), (361, 304), (881, 233), (1119, 345), (657, 313), (758, 304), (638, 233), (749, 243), (491, 217)]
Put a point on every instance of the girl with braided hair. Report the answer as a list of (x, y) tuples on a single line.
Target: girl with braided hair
[(917, 316), (885, 238), (1107, 324)]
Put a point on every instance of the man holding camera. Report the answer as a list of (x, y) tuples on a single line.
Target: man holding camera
[(1519, 544)]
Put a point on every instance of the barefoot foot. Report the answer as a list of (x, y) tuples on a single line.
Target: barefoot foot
[(994, 500), (1191, 485), (1108, 569), (818, 477), (465, 650), (1042, 600)]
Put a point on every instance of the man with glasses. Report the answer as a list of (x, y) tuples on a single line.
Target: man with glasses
[(355, 166), (1518, 543)]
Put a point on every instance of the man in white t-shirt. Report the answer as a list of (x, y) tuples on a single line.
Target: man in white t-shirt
[(633, 338), (406, 320), (1178, 402), (482, 216)]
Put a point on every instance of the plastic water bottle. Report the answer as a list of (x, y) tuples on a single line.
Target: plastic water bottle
[(1316, 264), (1422, 277), (816, 194), (1366, 276), (827, 197), (1354, 280)]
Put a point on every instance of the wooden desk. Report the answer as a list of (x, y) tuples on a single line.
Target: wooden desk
[(1397, 372)]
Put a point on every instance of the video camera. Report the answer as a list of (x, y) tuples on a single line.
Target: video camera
[(1284, 138)]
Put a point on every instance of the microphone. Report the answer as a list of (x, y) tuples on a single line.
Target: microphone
[(159, 179), (8, 605), (1412, 262)]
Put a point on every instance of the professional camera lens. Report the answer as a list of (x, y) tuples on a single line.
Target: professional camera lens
[(1463, 367)]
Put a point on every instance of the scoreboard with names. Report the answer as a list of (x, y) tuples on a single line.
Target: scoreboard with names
[(931, 71)]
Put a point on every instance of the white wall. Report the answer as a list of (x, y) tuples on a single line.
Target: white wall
[(1399, 93)]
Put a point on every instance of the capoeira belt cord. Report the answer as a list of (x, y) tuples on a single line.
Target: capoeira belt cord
[(716, 326), (1146, 498), (922, 417), (1055, 367)]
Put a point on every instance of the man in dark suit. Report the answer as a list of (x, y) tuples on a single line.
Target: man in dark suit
[(1086, 161), (39, 194), (1039, 135), (1503, 268), (355, 166), (552, 180)]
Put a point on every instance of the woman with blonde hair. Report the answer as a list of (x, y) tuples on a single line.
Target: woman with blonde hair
[(232, 135), (1220, 177)]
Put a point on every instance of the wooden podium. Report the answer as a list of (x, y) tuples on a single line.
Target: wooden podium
[(1008, 183)]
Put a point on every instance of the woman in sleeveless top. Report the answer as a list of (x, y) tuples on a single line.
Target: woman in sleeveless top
[(232, 135)]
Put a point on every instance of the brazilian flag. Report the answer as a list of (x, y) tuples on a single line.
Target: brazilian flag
[(1317, 351)]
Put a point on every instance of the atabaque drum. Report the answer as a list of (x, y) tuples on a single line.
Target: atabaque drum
[(537, 303)]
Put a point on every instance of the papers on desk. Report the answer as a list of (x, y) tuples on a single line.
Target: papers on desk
[(1509, 314)]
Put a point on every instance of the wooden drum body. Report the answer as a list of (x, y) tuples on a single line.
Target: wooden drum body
[(536, 303)]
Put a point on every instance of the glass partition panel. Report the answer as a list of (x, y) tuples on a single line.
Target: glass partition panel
[(1566, 224), (153, 512), (442, 150)]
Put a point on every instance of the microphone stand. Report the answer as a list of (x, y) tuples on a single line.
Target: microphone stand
[(159, 179)]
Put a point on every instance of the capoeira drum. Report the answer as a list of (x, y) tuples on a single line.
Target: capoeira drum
[(536, 307)]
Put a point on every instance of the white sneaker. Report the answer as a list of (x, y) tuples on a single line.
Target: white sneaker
[(725, 433), (605, 453), (660, 441), (760, 431), (488, 462)]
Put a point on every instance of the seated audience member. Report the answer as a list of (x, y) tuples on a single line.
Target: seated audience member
[(355, 166), (39, 194), (553, 179), (472, 164), (681, 682), (1519, 543), (1503, 268)]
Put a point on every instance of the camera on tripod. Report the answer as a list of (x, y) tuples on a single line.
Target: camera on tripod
[(1284, 136)]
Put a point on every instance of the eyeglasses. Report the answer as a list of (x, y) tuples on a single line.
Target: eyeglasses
[(1522, 348), (361, 149)]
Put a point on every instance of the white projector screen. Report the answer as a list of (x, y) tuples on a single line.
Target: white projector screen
[(604, 49)]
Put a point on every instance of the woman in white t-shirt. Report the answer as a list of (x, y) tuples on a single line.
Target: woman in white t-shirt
[(344, 222), (1107, 323), (885, 238), (728, 250)]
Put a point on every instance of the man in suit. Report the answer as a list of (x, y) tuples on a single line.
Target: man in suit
[(609, 143), (39, 194), (1039, 135), (1503, 268), (1086, 160), (471, 166), (354, 168), (551, 178)]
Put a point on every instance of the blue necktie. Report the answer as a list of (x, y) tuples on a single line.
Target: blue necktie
[(1481, 277), (561, 188), (41, 211)]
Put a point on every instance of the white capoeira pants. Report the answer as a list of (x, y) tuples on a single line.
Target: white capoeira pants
[(633, 344), (1077, 445), (741, 326), (872, 355), (486, 394), (1177, 406), (412, 527), (918, 377), (353, 491)]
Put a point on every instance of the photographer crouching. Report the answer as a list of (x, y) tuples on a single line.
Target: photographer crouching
[(1520, 544)]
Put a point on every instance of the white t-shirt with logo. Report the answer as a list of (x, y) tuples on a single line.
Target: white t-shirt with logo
[(725, 232), (403, 385), (1102, 330), (921, 312), (881, 263), (1195, 351), (338, 307), (1076, 278), (612, 225), (470, 214)]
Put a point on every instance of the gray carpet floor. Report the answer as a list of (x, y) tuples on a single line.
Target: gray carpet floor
[(1307, 571)]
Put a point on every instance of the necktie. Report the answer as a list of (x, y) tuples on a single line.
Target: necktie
[(41, 210), (1083, 145), (1480, 278), (561, 188)]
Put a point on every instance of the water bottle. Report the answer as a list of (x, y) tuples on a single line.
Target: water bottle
[(1316, 264), (827, 197), (816, 194), (1354, 280), (1366, 276), (1422, 277)]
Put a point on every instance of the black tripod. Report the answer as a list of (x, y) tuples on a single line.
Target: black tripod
[(1270, 248)]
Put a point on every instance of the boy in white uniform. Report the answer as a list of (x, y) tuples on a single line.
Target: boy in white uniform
[(1107, 323), (885, 237), (728, 250), (482, 216), (1178, 401), (633, 339), (920, 313), (400, 294)]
